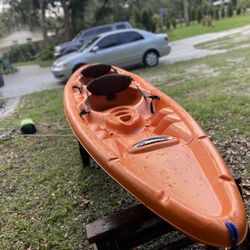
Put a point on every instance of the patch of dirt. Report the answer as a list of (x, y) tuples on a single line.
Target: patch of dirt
[(1, 103), (202, 70), (199, 93), (194, 72), (234, 90), (237, 60)]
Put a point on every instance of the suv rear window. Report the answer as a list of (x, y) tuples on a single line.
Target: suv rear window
[(129, 37), (96, 31), (120, 26)]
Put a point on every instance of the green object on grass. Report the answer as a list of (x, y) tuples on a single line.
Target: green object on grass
[(28, 126)]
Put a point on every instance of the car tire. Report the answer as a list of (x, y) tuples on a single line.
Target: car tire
[(77, 67), (151, 58)]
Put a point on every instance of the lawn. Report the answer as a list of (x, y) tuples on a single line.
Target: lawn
[(194, 29), (47, 197), (43, 64)]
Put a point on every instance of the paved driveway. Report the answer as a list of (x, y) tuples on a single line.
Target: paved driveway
[(28, 79)]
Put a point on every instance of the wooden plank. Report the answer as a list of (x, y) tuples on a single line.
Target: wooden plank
[(135, 217), (129, 228)]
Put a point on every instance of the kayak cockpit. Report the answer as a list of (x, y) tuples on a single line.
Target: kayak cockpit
[(128, 97)]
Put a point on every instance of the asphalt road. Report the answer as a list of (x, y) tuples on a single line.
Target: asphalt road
[(30, 79)]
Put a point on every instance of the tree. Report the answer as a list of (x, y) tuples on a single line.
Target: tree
[(198, 14), (66, 19), (222, 11), (230, 9), (186, 11)]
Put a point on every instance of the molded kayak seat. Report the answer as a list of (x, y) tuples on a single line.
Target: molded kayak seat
[(109, 85), (96, 70)]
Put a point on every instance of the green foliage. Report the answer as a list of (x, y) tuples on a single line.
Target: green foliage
[(230, 9), (174, 23), (198, 14), (24, 52), (216, 14), (238, 11), (192, 15), (146, 20), (168, 25), (222, 12), (46, 54)]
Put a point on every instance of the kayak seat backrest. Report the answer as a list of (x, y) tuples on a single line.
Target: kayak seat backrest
[(96, 70), (109, 85)]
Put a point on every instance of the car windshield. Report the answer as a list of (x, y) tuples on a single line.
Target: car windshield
[(77, 36), (88, 43)]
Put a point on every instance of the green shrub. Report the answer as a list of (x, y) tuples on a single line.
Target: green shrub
[(198, 14), (238, 12), (216, 14), (168, 25), (22, 53), (222, 12), (230, 9), (174, 22), (46, 54)]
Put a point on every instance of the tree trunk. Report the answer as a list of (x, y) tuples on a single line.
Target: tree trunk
[(43, 22), (186, 12), (66, 20), (100, 12)]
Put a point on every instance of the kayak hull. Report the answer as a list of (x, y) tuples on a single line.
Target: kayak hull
[(164, 159)]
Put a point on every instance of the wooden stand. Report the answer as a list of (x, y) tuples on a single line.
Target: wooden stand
[(130, 228)]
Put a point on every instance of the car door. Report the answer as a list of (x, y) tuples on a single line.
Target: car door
[(131, 48), (107, 50)]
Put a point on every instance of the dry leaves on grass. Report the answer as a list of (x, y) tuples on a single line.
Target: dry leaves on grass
[(236, 153)]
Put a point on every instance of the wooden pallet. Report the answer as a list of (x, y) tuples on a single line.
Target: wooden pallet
[(133, 227)]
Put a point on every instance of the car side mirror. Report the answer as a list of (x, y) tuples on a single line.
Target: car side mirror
[(95, 49)]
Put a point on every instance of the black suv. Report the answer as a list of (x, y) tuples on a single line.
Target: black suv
[(86, 35)]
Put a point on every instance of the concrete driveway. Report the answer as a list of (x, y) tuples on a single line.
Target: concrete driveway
[(30, 79)]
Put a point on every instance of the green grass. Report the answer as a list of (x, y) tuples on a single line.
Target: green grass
[(46, 197), (217, 26), (43, 64)]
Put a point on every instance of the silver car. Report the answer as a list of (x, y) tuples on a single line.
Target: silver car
[(122, 48)]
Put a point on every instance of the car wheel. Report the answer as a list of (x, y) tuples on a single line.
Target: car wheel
[(151, 58), (77, 67)]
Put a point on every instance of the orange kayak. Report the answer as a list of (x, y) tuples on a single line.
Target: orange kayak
[(155, 150)]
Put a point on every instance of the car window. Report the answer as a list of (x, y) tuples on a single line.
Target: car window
[(129, 37), (108, 42), (88, 44), (97, 31), (120, 26), (103, 29)]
